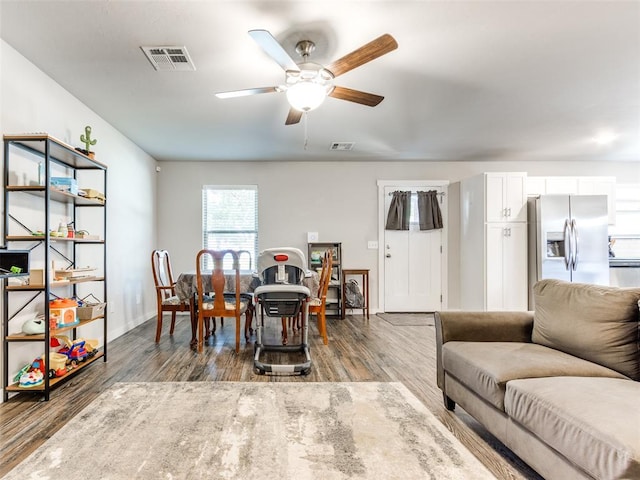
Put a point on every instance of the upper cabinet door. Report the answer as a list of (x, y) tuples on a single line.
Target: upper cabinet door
[(495, 187), (566, 185), (562, 186), (506, 197), (516, 197), (601, 186)]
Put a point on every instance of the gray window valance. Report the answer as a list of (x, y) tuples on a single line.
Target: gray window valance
[(429, 213), (429, 210), (399, 211)]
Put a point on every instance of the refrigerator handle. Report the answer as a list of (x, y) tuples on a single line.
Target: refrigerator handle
[(567, 244), (574, 247)]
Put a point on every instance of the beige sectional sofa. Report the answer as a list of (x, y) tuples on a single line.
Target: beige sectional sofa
[(560, 385)]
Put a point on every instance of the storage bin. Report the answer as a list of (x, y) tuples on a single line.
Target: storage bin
[(36, 277), (65, 184), (91, 311)]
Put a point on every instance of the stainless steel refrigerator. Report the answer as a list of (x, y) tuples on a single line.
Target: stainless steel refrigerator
[(568, 239)]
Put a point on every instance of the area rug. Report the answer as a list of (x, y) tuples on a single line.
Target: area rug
[(408, 319), (248, 430)]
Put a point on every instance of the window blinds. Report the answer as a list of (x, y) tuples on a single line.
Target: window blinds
[(230, 221)]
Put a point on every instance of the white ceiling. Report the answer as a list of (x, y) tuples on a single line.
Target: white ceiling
[(470, 80)]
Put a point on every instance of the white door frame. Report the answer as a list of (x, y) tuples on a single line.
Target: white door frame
[(442, 185)]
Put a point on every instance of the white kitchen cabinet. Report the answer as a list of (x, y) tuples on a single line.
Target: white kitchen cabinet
[(493, 244), (536, 186), (506, 197), (579, 185), (506, 266), (600, 186), (561, 185)]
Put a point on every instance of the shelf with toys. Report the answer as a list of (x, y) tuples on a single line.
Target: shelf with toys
[(53, 198), (36, 382), (23, 337)]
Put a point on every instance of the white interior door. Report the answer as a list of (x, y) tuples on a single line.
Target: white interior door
[(412, 263)]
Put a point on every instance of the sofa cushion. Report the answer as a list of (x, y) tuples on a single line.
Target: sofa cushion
[(593, 422), (486, 367), (593, 322)]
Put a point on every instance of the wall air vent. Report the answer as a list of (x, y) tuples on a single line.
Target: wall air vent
[(342, 146), (169, 58)]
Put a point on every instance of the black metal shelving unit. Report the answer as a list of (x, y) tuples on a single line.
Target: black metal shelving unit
[(53, 155)]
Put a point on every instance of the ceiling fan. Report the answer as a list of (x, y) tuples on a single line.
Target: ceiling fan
[(307, 84)]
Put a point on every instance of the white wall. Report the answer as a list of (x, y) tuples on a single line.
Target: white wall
[(336, 199), (33, 102)]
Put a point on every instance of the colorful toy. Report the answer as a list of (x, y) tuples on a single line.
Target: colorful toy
[(76, 352), (32, 379), (64, 310), (33, 326), (57, 364), (91, 345), (22, 371), (31, 375), (38, 364)]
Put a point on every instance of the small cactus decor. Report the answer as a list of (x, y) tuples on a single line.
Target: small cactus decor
[(86, 139)]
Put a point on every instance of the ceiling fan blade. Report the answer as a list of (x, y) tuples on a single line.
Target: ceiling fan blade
[(294, 117), (372, 50), (247, 92), (271, 46), (356, 96)]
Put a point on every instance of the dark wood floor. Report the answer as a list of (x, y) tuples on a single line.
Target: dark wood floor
[(358, 351)]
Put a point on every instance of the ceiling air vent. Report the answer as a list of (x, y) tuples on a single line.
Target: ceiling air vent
[(342, 146), (169, 58)]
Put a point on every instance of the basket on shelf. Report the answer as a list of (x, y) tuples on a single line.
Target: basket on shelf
[(90, 310)]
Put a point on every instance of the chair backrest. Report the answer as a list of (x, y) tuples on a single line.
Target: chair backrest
[(162, 276), (325, 274), (218, 281), (248, 254)]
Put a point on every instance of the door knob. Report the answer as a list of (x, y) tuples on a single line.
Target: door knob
[(388, 255)]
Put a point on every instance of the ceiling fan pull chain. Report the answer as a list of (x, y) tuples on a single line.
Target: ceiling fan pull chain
[(306, 134)]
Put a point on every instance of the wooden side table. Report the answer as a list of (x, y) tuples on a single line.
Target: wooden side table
[(364, 273)]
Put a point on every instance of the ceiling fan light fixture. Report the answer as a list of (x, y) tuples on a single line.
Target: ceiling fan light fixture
[(306, 96), (308, 87)]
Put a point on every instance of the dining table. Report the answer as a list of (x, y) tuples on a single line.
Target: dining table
[(187, 288)]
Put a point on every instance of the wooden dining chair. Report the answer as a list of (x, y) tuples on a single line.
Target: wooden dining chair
[(212, 298), (248, 254), (166, 298), (317, 305)]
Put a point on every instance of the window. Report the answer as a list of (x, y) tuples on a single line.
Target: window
[(414, 219), (230, 221)]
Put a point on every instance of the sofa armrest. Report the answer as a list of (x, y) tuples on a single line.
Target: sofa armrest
[(484, 326), (480, 327)]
